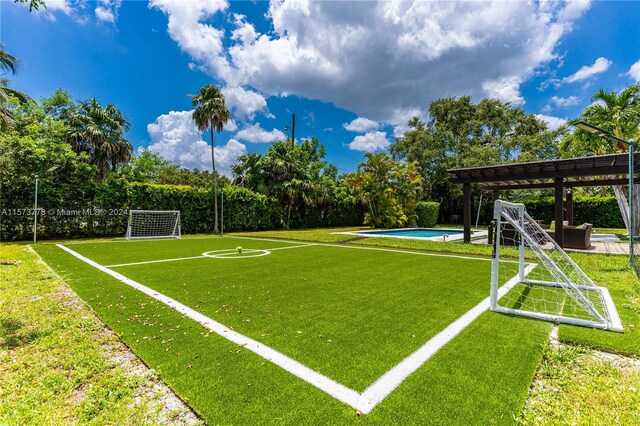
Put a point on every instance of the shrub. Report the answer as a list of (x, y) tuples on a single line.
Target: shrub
[(427, 213), (600, 211)]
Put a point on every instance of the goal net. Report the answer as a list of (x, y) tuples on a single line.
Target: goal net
[(533, 277), (153, 224)]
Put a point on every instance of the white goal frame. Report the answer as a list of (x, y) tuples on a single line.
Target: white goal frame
[(155, 224), (531, 237)]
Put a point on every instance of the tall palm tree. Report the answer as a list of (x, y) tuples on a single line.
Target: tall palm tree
[(99, 132), (618, 113), (211, 113), (9, 63)]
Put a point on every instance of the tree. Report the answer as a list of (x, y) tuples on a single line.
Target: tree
[(619, 113), (145, 167), (463, 134), (388, 189), (248, 172), (28, 149), (211, 113), (99, 132), (291, 174), (33, 4), (9, 63)]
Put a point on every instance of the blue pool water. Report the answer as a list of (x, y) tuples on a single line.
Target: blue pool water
[(412, 233)]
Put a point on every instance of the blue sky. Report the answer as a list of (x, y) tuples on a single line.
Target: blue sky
[(353, 72)]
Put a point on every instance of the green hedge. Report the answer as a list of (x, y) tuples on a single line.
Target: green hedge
[(427, 213), (600, 211), (101, 209)]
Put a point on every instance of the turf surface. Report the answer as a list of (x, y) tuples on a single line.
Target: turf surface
[(349, 313)]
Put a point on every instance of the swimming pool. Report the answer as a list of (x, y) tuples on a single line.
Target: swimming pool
[(414, 233)]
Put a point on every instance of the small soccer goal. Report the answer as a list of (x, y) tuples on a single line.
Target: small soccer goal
[(153, 224), (533, 277)]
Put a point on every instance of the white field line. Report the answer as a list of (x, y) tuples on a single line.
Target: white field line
[(291, 247), (177, 259), (382, 387), (346, 246), (333, 388), (364, 401), (316, 244), (149, 261)]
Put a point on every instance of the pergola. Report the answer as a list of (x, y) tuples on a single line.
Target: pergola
[(601, 170)]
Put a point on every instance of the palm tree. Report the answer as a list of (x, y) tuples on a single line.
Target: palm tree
[(618, 113), (249, 173), (9, 63), (211, 113), (99, 132)]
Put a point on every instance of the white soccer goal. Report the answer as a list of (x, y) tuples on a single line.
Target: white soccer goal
[(153, 224), (533, 277)]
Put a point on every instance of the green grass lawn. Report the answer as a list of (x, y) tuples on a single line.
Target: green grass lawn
[(348, 313), (349, 309), (613, 272), (58, 363)]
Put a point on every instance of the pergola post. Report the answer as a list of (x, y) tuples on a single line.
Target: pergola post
[(558, 216), (495, 196), (466, 211), (569, 206)]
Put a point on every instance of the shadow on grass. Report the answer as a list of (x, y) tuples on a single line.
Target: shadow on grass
[(518, 304), (11, 336)]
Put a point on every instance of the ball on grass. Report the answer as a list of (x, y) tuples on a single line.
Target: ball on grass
[(239, 249)]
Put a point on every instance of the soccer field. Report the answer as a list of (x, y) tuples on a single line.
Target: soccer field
[(287, 331)]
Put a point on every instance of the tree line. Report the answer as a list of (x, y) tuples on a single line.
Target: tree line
[(88, 141)]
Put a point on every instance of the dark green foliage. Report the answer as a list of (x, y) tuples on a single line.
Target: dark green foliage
[(99, 132), (245, 210), (427, 214), (600, 211), (461, 133), (305, 189), (387, 189)]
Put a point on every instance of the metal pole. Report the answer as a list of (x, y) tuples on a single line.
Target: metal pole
[(631, 221), (222, 214), (293, 130), (35, 213), (215, 182), (478, 215)]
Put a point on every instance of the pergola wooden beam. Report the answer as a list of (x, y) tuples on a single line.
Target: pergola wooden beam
[(545, 174), (568, 184)]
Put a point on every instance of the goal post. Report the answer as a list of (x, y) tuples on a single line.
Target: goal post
[(532, 276), (153, 224)]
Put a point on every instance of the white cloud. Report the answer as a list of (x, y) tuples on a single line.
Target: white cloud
[(634, 72), (53, 6), (63, 6), (244, 103), (574, 10), (107, 10), (561, 102), (256, 134), (201, 41), (176, 138), (370, 142), (400, 130), (599, 66), (231, 125), (227, 155), (376, 59), (506, 89), (552, 122), (361, 124)]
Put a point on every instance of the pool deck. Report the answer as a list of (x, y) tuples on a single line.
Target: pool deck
[(605, 247)]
